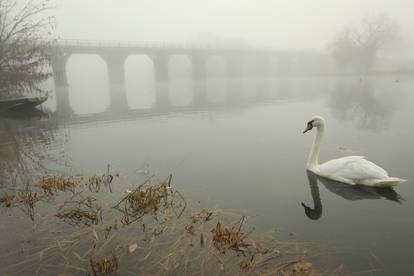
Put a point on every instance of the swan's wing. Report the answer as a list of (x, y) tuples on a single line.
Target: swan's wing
[(333, 166), (356, 169)]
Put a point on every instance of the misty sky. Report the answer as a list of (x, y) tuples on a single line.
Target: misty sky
[(276, 23)]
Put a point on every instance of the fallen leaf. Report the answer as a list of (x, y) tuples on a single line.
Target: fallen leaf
[(190, 229), (95, 234), (302, 266), (132, 247)]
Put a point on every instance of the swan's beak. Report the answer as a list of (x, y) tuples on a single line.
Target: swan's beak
[(308, 210), (308, 127)]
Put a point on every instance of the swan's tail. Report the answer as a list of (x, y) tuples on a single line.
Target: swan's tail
[(389, 182)]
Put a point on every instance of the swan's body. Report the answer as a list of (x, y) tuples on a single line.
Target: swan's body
[(350, 169)]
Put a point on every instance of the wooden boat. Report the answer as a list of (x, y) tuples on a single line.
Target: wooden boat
[(26, 102), (22, 114)]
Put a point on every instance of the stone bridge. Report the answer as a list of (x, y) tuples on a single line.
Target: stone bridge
[(115, 53)]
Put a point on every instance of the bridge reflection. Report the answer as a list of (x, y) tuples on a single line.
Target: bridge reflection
[(234, 94), (163, 106)]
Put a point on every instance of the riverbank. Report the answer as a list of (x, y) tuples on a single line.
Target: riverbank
[(100, 224)]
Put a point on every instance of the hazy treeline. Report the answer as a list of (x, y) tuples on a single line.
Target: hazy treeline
[(23, 61), (356, 49)]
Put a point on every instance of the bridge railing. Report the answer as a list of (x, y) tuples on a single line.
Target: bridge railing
[(145, 44)]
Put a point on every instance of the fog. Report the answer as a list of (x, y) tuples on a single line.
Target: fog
[(226, 122), (294, 24)]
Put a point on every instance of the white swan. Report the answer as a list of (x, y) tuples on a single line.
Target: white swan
[(350, 169)]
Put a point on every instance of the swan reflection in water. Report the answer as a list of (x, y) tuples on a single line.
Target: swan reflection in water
[(347, 191)]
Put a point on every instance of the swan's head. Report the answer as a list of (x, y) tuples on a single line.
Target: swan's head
[(316, 121)]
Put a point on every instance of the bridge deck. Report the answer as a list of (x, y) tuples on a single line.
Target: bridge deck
[(96, 46)]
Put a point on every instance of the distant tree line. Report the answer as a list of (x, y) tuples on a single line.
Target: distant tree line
[(356, 49), (23, 61)]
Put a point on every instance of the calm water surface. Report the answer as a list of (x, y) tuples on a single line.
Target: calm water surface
[(251, 157)]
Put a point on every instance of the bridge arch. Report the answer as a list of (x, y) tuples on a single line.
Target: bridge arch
[(140, 81), (87, 94)]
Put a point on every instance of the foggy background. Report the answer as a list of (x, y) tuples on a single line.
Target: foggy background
[(269, 23), (285, 25)]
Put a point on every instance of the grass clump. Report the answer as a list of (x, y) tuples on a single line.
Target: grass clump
[(203, 216), (81, 212), (52, 184), (95, 182), (105, 266), (7, 200), (28, 198), (228, 238), (145, 200)]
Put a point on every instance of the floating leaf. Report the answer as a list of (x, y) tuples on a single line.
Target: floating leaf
[(132, 247)]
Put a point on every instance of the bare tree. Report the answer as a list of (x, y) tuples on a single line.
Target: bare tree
[(359, 47), (23, 62)]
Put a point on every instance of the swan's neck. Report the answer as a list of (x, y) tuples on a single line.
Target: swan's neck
[(317, 203), (316, 212), (313, 159)]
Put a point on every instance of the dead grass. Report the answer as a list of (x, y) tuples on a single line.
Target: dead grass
[(28, 198), (7, 200), (81, 212), (52, 184), (95, 182), (169, 240), (105, 266), (203, 216), (230, 238), (145, 200)]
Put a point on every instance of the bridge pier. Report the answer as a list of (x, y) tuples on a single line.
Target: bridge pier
[(199, 74), (58, 62), (162, 97), (262, 88), (116, 75), (262, 67), (234, 72), (263, 74), (285, 65)]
